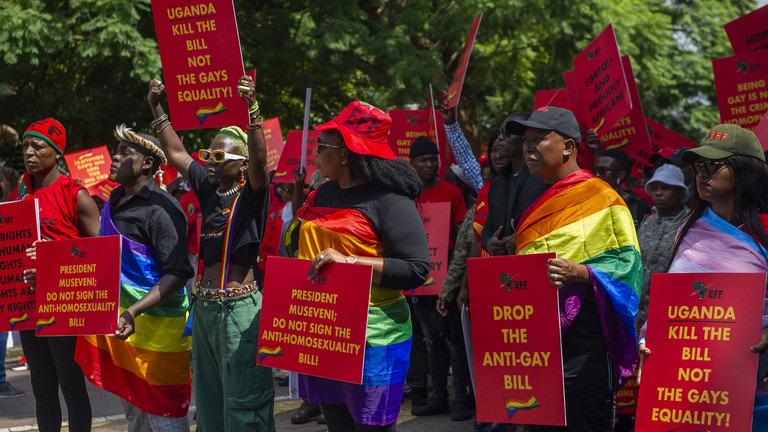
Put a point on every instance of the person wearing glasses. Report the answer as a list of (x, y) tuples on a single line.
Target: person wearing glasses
[(614, 166), (365, 214), (726, 232), (231, 391)]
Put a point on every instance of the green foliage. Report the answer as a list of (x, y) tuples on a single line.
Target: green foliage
[(87, 62)]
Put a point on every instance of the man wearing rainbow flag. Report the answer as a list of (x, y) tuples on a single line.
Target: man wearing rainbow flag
[(597, 270), (147, 361)]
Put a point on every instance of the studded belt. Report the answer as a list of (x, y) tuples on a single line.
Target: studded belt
[(228, 293)]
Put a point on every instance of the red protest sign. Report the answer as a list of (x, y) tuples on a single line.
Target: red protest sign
[(555, 98), (200, 51), (91, 166), (275, 144), (761, 131), (103, 189), (601, 82), (407, 125), (749, 32), (630, 133), (701, 374), (626, 397), (662, 137), (454, 90), (78, 286), (740, 83), (516, 341), (315, 324), (290, 159), (437, 224), (270, 244), (19, 228)]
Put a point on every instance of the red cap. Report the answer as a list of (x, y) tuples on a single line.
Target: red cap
[(49, 130), (483, 161), (364, 128)]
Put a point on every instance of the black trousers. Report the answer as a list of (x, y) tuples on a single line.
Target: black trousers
[(52, 365)]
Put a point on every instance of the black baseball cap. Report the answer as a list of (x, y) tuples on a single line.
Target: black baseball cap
[(550, 118)]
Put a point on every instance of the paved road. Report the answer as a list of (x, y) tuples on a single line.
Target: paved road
[(18, 414)]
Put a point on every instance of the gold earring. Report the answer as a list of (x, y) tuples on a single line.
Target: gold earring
[(343, 161)]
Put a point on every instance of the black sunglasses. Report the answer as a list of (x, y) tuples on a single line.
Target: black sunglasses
[(708, 166), (601, 171)]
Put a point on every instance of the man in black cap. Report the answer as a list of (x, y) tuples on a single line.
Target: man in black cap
[(511, 192), (597, 271), (442, 336)]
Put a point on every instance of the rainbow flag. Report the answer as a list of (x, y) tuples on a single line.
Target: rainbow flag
[(203, 112), (599, 125), (621, 405), (14, 321), (89, 153), (45, 322), (624, 143), (584, 220), (151, 369), (272, 351), (515, 405)]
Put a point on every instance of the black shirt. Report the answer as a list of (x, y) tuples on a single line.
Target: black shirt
[(248, 225), (154, 218)]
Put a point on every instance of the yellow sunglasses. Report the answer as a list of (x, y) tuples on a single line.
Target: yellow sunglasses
[(218, 156)]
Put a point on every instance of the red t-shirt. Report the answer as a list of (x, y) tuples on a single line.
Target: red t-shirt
[(58, 206), (444, 191)]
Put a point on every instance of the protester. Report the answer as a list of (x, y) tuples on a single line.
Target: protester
[(67, 211), (9, 179), (614, 166), (365, 215), (656, 234), (512, 191), (597, 270), (726, 232), (442, 336), (153, 303), (461, 149), (232, 392)]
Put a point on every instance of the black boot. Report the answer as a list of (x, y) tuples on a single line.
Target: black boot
[(305, 413), (418, 396), (436, 405)]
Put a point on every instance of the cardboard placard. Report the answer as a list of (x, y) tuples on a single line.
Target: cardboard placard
[(749, 32), (202, 62), (275, 144), (407, 125), (555, 98), (701, 374), (436, 217), (315, 324), (516, 341), (454, 90), (601, 82), (741, 83), (78, 286), (19, 228), (626, 397), (90, 166), (290, 159)]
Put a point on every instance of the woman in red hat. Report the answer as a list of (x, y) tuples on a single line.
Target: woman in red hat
[(66, 211), (365, 215)]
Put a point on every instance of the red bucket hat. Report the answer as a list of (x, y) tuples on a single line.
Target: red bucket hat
[(50, 131), (364, 128)]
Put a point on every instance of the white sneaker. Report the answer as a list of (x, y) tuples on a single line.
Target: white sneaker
[(23, 367)]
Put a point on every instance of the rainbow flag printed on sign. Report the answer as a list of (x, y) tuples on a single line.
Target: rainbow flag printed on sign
[(203, 112), (273, 351), (15, 321), (515, 405), (45, 322)]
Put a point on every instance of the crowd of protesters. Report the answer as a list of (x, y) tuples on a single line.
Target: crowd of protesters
[(361, 208)]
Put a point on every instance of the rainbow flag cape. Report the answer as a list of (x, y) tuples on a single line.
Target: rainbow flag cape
[(515, 405), (582, 219), (203, 112), (151, 369)]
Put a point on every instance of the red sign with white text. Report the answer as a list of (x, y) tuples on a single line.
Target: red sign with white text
[(19, 228), (437, 224), (407, 125), (742, 92), (700, 374), (315, 324), (290, 159), (516, 341), (601, 82), (78, 286), (454, 90), (749, 32), (91, 166), (200, 51), (275, 144)]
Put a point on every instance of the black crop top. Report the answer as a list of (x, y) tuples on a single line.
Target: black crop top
[(249, 219)]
